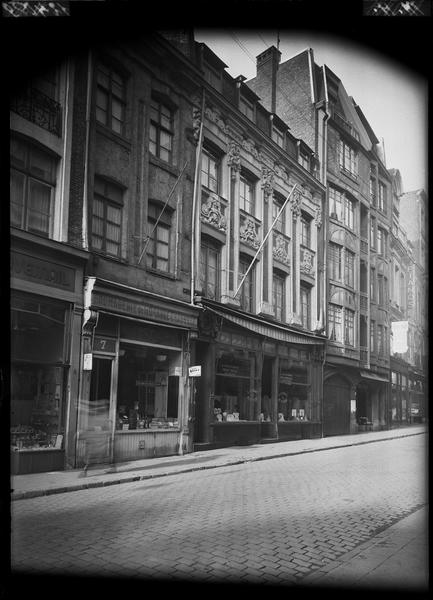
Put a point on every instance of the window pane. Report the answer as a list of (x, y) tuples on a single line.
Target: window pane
[(162, 234), (113, 214), (165, 140), (18, 152), (113, 233), (116, 125), (39, 205), (102, 99), (42, 165), (117, 109), (103, 76), (112, 248), (17, 197)]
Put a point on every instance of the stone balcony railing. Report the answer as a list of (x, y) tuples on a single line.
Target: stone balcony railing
[(281, 248), (307, 265), (213, 211), (249, 230)]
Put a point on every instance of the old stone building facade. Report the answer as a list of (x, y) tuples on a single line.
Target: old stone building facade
[(315, 103), (165, 215)]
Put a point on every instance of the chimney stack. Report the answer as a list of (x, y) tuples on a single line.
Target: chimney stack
[(267, 67)]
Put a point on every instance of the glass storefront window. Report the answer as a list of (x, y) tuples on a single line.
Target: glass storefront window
[(148, 388), (293, 391), (38, 372), (236, 387)]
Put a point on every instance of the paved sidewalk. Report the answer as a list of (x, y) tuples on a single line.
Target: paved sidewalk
[(395, 558), (40, 484)]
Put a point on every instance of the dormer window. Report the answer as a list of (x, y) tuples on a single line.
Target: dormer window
[(304, 159), (212, 76), (278, 137), (246, 107)]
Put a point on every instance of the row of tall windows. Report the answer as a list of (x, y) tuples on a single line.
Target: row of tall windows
[(341, 208), (111, 108), (347, 158), (341, 264), (210, 284), (378, 238), (341, 324), (379, 343)]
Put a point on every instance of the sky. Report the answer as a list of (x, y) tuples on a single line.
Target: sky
[(393, 99)]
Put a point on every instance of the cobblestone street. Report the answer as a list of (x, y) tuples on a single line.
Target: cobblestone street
[(273, 521)]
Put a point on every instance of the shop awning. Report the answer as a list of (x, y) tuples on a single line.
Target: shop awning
[(373, 376), (268, 330)]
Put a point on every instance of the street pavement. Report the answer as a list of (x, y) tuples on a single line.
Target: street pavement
[(348, 511)]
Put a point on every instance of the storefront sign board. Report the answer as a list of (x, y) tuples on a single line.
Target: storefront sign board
[(195, 371)]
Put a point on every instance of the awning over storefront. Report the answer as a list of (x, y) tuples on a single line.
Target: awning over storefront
[(373, 376), (267, 329)]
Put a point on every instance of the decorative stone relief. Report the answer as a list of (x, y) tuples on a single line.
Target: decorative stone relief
[(248, 232), (216, 118), (318, 217), (267, 181), (234, 157), (249, 146), (307, 265), (280, 251), (295, 202), (196, 123), (212, 213)]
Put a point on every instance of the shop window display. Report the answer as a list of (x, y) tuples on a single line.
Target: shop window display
[(236, 397), (38, 373), (293, 391), (148, 388)]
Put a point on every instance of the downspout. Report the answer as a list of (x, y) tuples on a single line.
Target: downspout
[(85, 234), (194, 232), (325, 239), (65, 149)]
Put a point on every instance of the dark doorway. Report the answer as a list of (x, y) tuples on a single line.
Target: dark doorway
[(336, 406)]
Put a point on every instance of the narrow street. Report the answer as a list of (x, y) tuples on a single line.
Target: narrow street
[(274, 521)]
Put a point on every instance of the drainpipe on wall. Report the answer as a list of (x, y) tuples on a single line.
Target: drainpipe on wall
[(85, 235)]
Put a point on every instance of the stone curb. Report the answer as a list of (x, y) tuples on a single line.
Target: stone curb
[(97, 484)]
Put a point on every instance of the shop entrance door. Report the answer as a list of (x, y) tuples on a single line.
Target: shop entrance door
[(336, 407), (98, 418)]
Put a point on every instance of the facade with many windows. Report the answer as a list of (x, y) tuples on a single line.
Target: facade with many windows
[(47, 270), (263, 303), (356, 234)]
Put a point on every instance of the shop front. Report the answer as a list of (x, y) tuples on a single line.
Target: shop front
[(136, 394), (260, 382), (46, 313)]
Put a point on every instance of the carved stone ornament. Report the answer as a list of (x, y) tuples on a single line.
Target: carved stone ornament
[(267, 181), (248, 233), (295, 202), (279, 251), (216, 118), (234, 158), (307, 263), (196, 123), (212, 213), (318, 217)]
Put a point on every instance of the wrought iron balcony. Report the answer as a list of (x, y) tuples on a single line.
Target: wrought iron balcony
[(363, 301), (363, 356), (364, 246), (40, 109)]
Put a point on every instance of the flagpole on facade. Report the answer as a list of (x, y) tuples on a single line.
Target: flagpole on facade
[(264, 239), (194, 203)]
